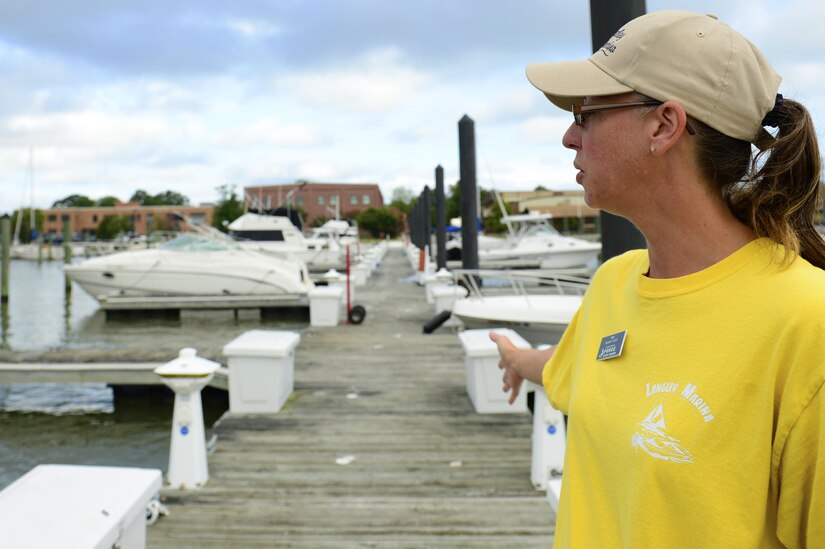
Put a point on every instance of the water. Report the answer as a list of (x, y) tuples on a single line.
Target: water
[(90, 424), (40, 316)]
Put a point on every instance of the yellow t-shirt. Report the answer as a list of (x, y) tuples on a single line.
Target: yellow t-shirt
[(708, 430)]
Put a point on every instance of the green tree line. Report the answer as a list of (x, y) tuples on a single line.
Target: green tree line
[(389, 220)]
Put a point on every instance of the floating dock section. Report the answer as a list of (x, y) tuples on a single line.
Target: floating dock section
[(378, 446)]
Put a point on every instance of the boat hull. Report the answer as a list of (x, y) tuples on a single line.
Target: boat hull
[(540, 319), (161, 273)]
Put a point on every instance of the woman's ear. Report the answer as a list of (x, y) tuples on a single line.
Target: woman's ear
[(670, 119)]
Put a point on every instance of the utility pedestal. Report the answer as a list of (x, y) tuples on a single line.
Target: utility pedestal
[(549, 441), (186, 376)]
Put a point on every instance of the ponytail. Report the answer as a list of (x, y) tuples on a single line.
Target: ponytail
[(776, 193)]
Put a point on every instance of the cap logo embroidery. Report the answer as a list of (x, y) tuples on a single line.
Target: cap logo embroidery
[(610, 45)]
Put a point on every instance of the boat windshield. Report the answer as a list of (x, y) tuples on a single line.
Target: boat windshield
[(190, 242), (539, 229)]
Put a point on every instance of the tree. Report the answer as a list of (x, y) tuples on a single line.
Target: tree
[(379, 222), (26, 233), (74, 201), (228, 209), (112, 225), (170, 198), (108, 201), (167, 198), (402, 199), (141, 197), (452, 201), (318, 221), (492, 223)]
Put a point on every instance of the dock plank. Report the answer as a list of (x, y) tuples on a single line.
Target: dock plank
[(420, 468)]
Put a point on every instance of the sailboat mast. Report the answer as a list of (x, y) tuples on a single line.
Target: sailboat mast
[(31, 194)]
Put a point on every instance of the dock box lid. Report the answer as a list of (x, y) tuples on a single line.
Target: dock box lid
[(327, 291), (263, 343), (74, 505), (477, 343)]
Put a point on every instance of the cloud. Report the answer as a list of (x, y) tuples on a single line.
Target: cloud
[(379, 81), (82, 128), (545, 129), (253, 29), (269, 131)]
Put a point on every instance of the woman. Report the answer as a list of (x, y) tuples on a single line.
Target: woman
[(693, 372)]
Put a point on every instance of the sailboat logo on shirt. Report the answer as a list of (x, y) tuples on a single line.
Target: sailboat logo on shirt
[(652, 437)]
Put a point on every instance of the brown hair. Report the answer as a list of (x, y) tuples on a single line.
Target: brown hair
[(775, 192)]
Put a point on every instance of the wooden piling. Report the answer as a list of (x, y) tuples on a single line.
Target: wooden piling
[(5, 249), (67, 251)]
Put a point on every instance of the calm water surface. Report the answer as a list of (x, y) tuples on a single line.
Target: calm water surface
[(88, 423)]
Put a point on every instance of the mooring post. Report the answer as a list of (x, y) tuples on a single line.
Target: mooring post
[(5, 229), (428, 225), (440, 221), (468, 192), (67, 251), (606, 17)]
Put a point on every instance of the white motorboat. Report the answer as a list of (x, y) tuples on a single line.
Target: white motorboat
[(537, 306), (276, 235), (533, 243), (190, 265), (343, 231)]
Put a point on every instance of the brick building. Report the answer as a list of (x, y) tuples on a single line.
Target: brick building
[(567, 207), (328, 200), (84, 221)]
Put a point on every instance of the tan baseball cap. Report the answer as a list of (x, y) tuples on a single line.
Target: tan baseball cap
[(714, 72)]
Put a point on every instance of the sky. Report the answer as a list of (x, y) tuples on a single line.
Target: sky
[(102, 98)]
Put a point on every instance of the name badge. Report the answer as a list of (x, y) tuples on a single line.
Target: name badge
[(611, 346)]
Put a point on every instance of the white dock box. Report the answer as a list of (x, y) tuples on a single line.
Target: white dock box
[(325, 306), (483, 374), (261, 370), (78, 506)]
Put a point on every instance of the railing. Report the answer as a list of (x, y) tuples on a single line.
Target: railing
[(519, 282)]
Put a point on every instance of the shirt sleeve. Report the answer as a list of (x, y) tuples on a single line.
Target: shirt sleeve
[(801, 509), (558, 370)]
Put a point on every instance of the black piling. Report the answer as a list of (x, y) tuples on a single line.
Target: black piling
[(440, 221), (468, 193), (606, 17), (5, 238)]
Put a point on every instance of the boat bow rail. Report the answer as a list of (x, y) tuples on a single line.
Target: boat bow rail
[(487, 282)]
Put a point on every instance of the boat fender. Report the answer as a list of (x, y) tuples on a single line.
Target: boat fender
[(357, 314), (431, 325)]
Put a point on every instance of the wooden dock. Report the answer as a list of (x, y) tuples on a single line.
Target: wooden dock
[(379, 446)]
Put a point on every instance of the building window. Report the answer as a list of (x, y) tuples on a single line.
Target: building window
[(353, 200), (198, 219), (268, 202), (365, 200), (300, 200), (94, 218), (320, 200), (333, 200), (52, 218)]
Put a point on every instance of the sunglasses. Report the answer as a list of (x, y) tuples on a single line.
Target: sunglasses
[(579, 111)]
